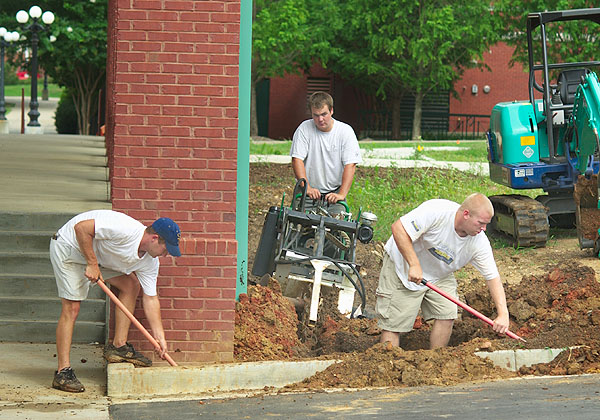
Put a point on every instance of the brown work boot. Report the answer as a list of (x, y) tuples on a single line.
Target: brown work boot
[(125, 353), (65, 380)]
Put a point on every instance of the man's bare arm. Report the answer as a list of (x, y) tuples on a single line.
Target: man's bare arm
[(497, 292), (152, 311), (405, 246), (300, 172), (347, 178), (85, 231)]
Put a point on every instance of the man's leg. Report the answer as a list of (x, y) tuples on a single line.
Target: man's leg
[(120, 350), (129, 289), (64, 331), (391, 336), (440, 333)]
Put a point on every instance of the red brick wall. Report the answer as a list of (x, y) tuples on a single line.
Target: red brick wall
[(173, 97), (506, 84), (287, 102), (287, 99)]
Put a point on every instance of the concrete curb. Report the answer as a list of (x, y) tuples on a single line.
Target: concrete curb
[(126, 381), (513, 360)]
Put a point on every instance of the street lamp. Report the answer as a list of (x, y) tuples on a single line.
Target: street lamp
[(35, 12), (6, 38)]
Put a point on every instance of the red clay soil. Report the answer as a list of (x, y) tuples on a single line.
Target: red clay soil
[(587, 213), (558, 309)]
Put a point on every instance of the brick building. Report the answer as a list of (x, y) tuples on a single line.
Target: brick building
[(172, 141), (287, 95)]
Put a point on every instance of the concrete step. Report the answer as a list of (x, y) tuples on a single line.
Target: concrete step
[(24, 285), (46, 222), (15, 330), (48, 309), (25, 241), (30, 263)]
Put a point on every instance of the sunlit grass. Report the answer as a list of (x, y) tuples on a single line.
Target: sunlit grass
[(390, 193), (54, 91), (467, 151)]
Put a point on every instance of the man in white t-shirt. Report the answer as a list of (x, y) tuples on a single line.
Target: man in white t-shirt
[(325, 152), (108, 245), (431, 242)]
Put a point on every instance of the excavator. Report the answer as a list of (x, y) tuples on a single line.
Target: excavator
[(549, 143)]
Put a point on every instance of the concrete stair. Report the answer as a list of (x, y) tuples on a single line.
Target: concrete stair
[(29, 305), (47, 179)]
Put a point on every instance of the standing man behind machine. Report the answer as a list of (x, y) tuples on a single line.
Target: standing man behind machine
[(112, 246), (325, 152), (430, 243)]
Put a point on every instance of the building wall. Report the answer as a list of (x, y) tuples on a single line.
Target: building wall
[(288, 94), (505, 83), (172, 139)]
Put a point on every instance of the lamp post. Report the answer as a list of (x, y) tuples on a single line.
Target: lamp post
[(35, 12), (6, 38)]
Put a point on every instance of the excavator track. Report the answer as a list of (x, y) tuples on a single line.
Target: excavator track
[(522, 219)]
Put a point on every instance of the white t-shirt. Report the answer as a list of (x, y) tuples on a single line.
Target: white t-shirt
[(116, 241), (325, 153), (439, 248)]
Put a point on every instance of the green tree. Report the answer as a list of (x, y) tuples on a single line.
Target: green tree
[(77, 59), (412, 46), (567, 41), (287, 37)]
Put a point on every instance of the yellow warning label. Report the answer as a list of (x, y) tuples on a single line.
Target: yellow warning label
[(527, 140)]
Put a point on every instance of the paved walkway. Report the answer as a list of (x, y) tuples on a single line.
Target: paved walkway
[(47, 111), (395, 159)]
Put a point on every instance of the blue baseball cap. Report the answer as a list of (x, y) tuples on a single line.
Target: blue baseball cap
[(169, 231)]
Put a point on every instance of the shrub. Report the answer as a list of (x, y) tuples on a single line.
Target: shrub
[(66, 116)]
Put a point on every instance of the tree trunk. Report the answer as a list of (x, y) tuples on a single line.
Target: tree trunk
[(416, 128), (85, 90), (396, 116), (253, 112)]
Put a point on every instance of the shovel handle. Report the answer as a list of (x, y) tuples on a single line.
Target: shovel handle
[(469, 309), (135, 322)]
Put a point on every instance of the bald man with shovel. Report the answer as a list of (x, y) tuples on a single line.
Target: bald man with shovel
[(430, 243)]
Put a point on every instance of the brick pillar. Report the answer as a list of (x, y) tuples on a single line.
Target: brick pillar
[(173, 95)]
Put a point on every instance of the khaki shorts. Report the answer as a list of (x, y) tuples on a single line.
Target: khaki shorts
[(397, 307), (69, 271)]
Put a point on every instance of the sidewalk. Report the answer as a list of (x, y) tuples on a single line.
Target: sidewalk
[(47, 110), (26, 372)]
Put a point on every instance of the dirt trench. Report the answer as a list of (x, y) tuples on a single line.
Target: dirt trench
[(552, 294), (558, 309)]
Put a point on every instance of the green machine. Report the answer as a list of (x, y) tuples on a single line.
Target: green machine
[(546, 143)]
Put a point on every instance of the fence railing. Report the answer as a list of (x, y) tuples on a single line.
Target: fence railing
[(468, 125), (378, 124)]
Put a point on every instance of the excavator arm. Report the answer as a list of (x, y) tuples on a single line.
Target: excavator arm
[(584, 123)]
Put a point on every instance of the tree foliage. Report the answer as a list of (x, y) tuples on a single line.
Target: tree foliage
[(77, 59), (288, 36), (568, 41), (412, 46)]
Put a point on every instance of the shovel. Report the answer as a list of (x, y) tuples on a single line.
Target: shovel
[(135, 322), (469, 309)]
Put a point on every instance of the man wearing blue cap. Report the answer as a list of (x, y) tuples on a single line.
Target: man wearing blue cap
[(108, 245)]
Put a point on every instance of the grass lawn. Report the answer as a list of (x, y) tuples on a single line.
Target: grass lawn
[(54, 91), (466, 151)]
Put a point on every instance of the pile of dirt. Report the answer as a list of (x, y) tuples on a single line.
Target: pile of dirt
[(384, 365), (559, 309), (334, 333), (266, 326), (552, 294), (585, 196)]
